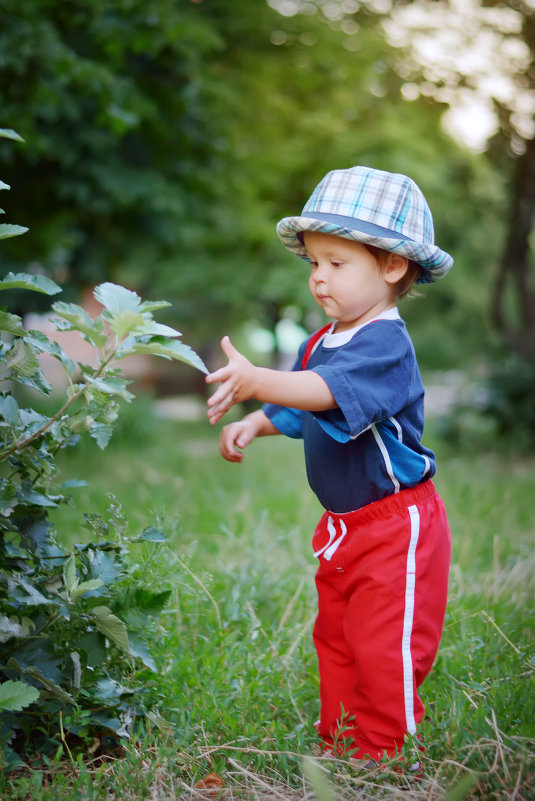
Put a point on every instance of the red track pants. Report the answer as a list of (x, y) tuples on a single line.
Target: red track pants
[(382, 589)]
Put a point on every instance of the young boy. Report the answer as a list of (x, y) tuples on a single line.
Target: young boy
[(355, 396)]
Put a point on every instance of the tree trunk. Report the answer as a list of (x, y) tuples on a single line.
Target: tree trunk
[(513, 301)]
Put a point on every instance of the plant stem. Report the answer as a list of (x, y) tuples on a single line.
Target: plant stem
[(59, 413), (46, 426)]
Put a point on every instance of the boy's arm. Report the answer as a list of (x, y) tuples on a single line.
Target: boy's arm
[(241, 381)]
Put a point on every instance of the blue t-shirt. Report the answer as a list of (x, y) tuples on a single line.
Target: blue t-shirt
[(369, 446)]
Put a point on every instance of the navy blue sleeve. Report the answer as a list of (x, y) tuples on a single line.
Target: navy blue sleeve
[(285, 419), (370, 377)]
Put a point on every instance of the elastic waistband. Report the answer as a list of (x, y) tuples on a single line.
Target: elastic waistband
[(391, 505)]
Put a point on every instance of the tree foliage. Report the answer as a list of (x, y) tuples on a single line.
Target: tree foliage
[(165, 140), (484, 57)]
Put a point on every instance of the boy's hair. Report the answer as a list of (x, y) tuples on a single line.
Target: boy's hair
[(405, 284)]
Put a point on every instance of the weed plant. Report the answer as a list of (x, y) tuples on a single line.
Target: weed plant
[(237, 686)]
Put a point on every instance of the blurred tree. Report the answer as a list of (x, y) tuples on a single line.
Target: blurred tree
[(112, 102), (165, 139), (480, 56)]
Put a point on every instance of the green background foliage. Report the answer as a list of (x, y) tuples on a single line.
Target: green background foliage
[(164, 140)]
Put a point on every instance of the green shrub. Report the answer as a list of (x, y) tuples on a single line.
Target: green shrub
[(72, 623)]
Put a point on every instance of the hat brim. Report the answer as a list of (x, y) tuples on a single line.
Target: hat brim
[(433, 261)]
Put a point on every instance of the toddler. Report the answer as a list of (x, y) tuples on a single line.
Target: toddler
[(355, 397)]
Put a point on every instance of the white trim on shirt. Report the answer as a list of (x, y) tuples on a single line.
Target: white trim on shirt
[(333, 339)]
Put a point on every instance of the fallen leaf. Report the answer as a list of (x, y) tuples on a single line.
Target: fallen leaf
[(210, 782)]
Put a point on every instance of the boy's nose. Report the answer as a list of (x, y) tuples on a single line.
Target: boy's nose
[(320, 274)]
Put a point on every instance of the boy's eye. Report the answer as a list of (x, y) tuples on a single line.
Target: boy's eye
[(336, 263)]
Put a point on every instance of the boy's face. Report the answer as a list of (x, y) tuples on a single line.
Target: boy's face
[(346, 280)]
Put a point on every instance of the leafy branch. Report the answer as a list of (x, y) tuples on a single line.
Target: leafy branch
[(125, 327)]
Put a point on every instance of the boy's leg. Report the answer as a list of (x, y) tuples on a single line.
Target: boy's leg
[(393, 568), (335, 661)]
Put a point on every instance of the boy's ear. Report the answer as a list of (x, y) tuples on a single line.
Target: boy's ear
[(395, 267)]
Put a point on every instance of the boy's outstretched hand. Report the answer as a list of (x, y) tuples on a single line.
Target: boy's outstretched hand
[(237, 382)]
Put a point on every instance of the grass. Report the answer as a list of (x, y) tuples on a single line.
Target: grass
[(237, 684)]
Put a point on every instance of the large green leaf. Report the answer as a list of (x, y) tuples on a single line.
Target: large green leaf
[(28, 494), (31, 596), (33, 672), (21, 359), (101, 433), (38, 283), (8, 133), (11, 324), (85, 586), (15, 695), (152, 328), (168, 349), (8, 230), (114, 385), (40, 343), (79, 320), (110, 625), (139, 648), (103, 566), (9, 409), (8, 497), (152, 305), (153, 534), (12, 627), (116, 298), (69, 573), (124, 322), (93, 643)]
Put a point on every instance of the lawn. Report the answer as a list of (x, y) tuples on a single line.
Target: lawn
[(236, 687)]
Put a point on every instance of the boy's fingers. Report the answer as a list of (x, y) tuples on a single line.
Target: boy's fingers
[(227, 347), (220, 400), (217, 375)]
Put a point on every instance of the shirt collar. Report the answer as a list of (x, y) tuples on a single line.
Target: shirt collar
[(334, 340)]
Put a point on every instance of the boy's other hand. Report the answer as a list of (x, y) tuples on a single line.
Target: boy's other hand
[(237, 382), (234, 436)]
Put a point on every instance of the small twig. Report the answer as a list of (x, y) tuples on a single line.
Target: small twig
[(498, 629), (63, 740), (470, 699), (517, 785), (499, 749), (210, 749), (199, 582), (289, 608)]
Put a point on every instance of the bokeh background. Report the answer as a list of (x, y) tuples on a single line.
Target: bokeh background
[(165, 138)]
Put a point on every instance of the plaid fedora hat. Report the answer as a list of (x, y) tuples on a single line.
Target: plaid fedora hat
[(374, 207)]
